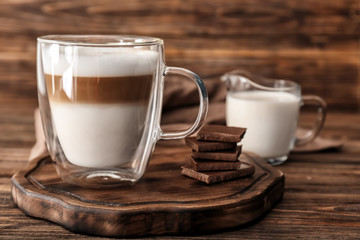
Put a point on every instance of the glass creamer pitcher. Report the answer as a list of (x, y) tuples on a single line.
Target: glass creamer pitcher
[(269, 109)]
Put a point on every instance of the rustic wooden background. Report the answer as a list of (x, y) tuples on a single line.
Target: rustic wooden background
[(314, 42)]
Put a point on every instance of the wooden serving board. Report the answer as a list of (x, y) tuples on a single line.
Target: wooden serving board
[(163, 202)]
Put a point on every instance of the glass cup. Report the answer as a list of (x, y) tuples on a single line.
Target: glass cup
[(100, 99), (269, 109)]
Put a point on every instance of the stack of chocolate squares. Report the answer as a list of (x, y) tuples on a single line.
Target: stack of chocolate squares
[(216, 156)]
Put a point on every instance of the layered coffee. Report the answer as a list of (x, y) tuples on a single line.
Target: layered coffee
[(99, 101)]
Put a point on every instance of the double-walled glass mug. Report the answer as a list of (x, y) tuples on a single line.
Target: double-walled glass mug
[(100, 100), (269, 109)]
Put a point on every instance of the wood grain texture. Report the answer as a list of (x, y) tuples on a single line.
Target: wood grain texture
[(315, 43), (321, 199), (163, 202)]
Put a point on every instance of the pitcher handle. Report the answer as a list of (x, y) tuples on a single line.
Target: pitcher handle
[(319, 123)]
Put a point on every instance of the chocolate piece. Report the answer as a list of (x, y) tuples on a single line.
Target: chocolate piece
[(204, 165), (226, 155), (203, 146), (246, 169), (221, 133)]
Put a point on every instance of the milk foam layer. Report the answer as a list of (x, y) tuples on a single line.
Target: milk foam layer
[(98, 61), (270, 119), (98, 135)]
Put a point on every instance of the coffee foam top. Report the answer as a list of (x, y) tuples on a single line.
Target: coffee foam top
[(98, 61)]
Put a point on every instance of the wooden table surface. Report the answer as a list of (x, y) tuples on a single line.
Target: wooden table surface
[(321, 200), (315, 43)]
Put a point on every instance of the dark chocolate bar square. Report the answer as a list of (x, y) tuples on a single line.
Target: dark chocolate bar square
[(221, 133), (205, 165), (209, 177), (226, 155), (204, 146)]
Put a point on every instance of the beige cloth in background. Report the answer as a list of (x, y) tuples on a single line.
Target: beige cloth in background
[(180, 109), (318, 144)]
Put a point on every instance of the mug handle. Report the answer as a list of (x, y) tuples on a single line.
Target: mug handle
[(203, 107), (319, 123)]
